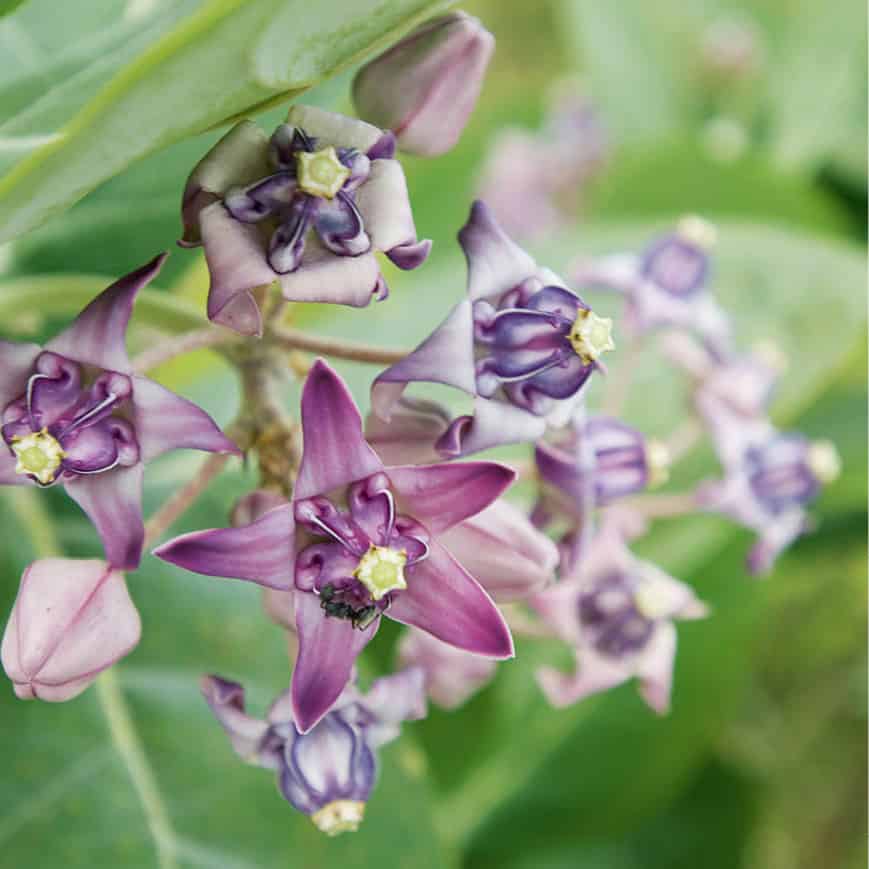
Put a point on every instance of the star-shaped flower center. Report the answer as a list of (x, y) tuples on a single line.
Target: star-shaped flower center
[(339, 816), (823, 461), (320, 173), (39, 455), (591, 335), (381, 570), (657, 462)]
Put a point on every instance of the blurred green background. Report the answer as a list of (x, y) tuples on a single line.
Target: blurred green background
[(762, 763)]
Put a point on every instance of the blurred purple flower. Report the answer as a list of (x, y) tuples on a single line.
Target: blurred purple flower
[(617, 613), (359, 541), (425, 87), (769, 479), (327, 773), (307, 208), (452, 676), (665, 286), (72, 619), (74, 413), (522, 344)]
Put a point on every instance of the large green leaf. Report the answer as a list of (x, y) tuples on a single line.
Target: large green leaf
[(196, 69)]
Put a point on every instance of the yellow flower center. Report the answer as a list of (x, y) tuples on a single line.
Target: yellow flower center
[(339, 816), (657, 462), (591, 335), (320, 173), (823, 461), (698, 231), (381, 570), (39, 455)]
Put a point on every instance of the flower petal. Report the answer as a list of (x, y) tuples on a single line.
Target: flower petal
[(166, 421), (503, 551), (593, 675), (495, 262), (113, 502), (328, 648), (8, 462), (16, 365), (410, 435), (235, 253), (324, 276), (262, 552), (98, 335), (384, 204), (446, 356), (443, 599), (655, 668), (440, 496), (393, 699), (332, 129), (335, 452), (340, 226), (226, 700)]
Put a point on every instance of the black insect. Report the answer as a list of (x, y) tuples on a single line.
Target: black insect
[(360, 618)]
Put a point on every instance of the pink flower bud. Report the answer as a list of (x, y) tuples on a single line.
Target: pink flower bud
[(425, 87), (71, 620)]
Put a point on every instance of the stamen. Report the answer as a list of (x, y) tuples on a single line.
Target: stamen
[(321, 173), (824, 461), (339, 816), (591, 335), (657, 462), (39, 455), (381, 570)]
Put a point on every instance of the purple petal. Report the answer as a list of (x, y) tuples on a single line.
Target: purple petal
[(328, 648), (98, 335), (100, 447), (340, 227), (16, 365), (392, 700), (562, 380), (493, 424), (165, 421), (593, 675), (226, 700), (235, 254), (335, 452), (410, 255), (503, 551), (325, 277), (495, 263), (410, 435), (384, 204), (261, 552), (443, 495), (265, 197), (330, 128), (383, 148), (54, 390), (8, 462), (443, 599), (324, 564), (372, 507), (287, 243), (446, 356), (113, 502), (556, 300), (655, 668)]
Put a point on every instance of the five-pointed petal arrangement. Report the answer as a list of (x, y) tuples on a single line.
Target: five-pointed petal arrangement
[(359, 541), (74, 413), (307, 207), (521, 343)]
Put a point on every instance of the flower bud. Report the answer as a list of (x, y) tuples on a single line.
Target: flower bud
[(425, 87), (71, 620)]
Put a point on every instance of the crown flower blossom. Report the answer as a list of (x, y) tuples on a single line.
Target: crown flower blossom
[(425, 87), (329, 772), (72, 619), (307, 208), (75, 414), (666, 286), (359, 541), (522, 344), (617, 614), (770, 478)]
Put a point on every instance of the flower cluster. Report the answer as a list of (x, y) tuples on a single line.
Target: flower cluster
[(387, 518)]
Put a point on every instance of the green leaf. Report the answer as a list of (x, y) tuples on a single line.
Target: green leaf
[(228, 58)]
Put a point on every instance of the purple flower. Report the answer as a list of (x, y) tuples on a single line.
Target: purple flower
[(72, 619), (452, 676), (307, 208), (358, 541), (522, 344), (617, 613), (74, 413), (744, 382), (425, 87), (328, 772), (769, 479), (666, 286)]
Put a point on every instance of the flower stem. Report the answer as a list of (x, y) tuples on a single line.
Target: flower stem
[(129, 747), (295, 339), (177, 346), (619, 385)]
